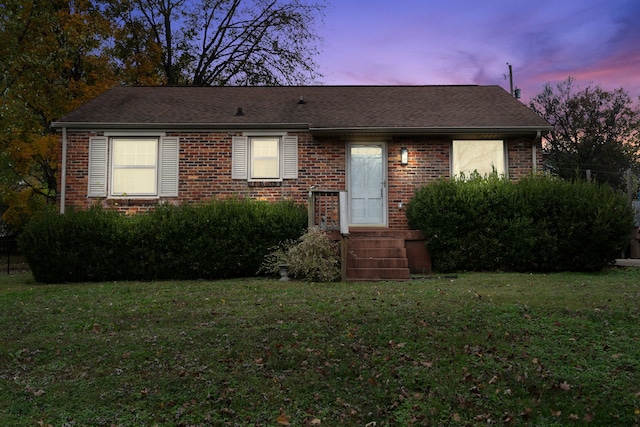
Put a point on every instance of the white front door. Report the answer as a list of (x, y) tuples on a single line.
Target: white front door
[(367, 184)]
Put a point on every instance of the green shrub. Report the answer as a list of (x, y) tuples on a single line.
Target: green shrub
[(536, 224), (220, 239), (72, 247), (313, 257)]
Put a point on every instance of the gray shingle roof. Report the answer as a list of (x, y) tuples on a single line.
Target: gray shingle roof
[(325, 108)]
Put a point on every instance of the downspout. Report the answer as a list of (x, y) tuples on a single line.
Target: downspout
[(63, 171), (534, 151)]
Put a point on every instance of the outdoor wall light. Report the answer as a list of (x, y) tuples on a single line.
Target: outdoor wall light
[(404, 156)]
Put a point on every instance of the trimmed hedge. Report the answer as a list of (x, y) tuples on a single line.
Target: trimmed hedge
[(536, 224), (220, 239)]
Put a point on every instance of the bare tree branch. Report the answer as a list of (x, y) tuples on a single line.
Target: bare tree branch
[(220, 42)]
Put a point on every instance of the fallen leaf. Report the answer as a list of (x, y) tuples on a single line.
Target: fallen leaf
[(38, 393), (455, 418), (556, 413), (316, 421), (283, 419), (526, 413), (482, 417), (574, 417), (565, 386)]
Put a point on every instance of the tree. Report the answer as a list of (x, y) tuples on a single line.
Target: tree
[(51, 62), (57, 54), (594, 130), (224, 42)]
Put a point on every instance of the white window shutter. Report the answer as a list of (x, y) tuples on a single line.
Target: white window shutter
[(98, 167), (239, 158), (290, 157), (169, 174)]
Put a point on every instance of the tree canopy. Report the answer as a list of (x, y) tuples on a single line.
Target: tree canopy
[(51, 63), (594, 130), (57, 54), (223, 42)]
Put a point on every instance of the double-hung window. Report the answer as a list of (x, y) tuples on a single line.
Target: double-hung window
[(133, 166), (264, 157), (481, 156)]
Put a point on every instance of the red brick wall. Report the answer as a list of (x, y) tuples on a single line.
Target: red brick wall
[(205, 170), (428, 161)]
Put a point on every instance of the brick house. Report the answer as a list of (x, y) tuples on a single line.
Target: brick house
[(134, 147)]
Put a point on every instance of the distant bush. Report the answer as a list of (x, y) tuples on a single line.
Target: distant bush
[(220, 239), (536, 224)]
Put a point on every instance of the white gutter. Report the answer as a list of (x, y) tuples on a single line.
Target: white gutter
[(63, 171)]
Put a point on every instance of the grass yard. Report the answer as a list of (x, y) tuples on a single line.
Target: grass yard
[(476, 349)]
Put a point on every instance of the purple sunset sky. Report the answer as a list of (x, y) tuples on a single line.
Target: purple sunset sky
[(424, 42)]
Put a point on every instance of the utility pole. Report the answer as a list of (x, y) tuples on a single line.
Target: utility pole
[(514, 92)]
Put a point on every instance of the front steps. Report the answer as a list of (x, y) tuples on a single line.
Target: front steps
[(376, 255)]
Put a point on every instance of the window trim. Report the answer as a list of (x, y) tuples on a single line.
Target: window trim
[(100, 172), (251, 158), (113, 167), (505, 156), (242, 161)]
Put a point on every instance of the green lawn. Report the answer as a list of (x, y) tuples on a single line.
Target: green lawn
[(476, 349)]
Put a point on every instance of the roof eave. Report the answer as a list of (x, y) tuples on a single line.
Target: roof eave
[(506, 130), (180, 126)]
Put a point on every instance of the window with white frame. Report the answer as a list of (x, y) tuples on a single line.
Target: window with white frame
[(265, 157), (481, 156), (133, 166)]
